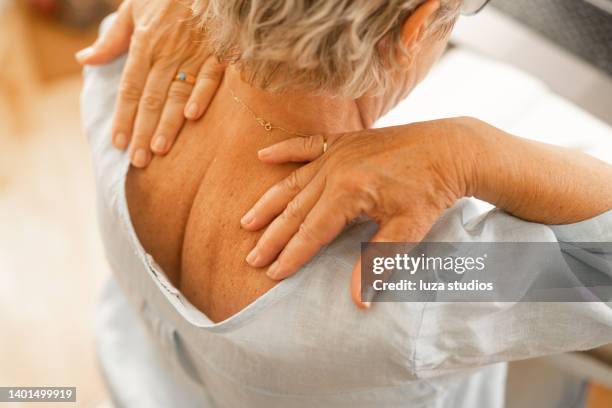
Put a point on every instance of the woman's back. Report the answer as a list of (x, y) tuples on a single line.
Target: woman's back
[(186, 207)]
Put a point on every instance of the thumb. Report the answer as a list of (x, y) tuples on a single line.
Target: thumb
[(115, 42), (397, 229), (297, 149)]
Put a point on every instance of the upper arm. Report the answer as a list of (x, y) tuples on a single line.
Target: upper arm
[(462, 335)]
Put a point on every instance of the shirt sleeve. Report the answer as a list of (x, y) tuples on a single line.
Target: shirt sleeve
[(100, 86), (460, 335)]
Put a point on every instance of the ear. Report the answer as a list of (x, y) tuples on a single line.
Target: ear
[(418, 22)]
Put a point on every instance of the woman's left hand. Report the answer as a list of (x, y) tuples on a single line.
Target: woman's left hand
[(402, 177), (170, 74)]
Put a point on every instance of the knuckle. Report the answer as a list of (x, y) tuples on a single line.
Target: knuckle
[(308, 143), (262, 205), (129, 91), (169, 127), (207, 76), (177, 92), (287, 262), (307, 234), (214, 63), (165, 61), (360, 191), (293, 210), (139, 46), (293, 182), (152, 102), (143, 32), (266, 247), (211, 72)]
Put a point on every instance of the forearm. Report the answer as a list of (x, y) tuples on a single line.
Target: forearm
[(536, 181)]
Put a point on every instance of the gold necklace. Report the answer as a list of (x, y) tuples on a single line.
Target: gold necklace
[(267, 125)]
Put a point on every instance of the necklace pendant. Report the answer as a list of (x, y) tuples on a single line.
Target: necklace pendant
[(265, 124), (268, 126)]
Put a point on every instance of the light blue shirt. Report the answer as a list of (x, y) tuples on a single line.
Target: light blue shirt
[(303, 343)]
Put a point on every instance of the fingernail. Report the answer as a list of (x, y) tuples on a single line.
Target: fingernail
[(141, 157), (84, 53), (192, 110), (120, 141), (366, 305), (248, 218), (252, 257), (159, 144), (274, 271), (263, 153)]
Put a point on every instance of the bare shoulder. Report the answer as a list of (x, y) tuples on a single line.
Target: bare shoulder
[(186, 209), (214, 275)]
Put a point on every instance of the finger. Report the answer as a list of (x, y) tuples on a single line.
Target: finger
[(149, 112), (209, 79), (285, 226), (356, 287), (321, 226), (276, 199), (172, 117), (115, 42), (398, 229), (297, 149), (130, 90)]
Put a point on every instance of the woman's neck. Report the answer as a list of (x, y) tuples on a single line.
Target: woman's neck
[(296, 112)]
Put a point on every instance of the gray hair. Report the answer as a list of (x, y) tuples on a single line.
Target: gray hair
[(339, 47)]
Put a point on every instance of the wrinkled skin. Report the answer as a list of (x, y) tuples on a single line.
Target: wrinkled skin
[(163, 39)]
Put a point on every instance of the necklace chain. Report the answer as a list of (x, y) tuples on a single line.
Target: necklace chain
[(267, 125)]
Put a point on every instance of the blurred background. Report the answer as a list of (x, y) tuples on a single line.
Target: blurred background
[(51, 261), (541, 69)]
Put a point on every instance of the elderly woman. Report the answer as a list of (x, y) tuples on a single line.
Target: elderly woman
[(226, 334)]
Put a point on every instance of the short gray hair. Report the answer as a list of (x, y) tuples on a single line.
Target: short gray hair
[(340, 47)]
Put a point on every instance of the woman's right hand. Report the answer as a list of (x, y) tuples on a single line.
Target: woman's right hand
[(403, 178), (163, 40)]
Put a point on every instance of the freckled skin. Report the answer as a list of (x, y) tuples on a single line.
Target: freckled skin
[(186, 206)]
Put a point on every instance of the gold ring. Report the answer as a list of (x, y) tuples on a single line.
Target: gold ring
[(185, 77)]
